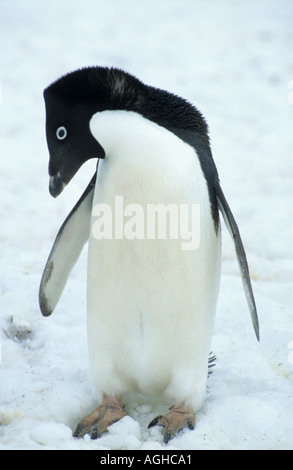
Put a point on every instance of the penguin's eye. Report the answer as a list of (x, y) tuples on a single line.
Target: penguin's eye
[(61, 133)]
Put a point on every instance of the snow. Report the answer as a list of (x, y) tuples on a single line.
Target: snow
[(233, 60)]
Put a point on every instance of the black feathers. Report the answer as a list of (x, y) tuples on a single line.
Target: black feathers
[(110, 88), (99, 87)]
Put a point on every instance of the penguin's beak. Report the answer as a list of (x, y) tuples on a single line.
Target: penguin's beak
[(56, 185)]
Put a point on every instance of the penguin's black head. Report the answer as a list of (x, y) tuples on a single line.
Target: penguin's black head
[(70, 104)]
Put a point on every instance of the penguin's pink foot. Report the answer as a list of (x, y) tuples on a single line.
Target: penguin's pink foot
[(177, 419), (95, 424)]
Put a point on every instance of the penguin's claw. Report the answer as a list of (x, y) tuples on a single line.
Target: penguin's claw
[(95, 424), (173, 422)]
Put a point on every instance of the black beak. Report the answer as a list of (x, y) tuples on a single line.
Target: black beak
[(56, 185)]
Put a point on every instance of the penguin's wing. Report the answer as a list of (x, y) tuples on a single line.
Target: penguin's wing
[(67, 247), (240, 252)]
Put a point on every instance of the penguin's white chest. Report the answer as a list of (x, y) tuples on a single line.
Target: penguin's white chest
[(151, 292)]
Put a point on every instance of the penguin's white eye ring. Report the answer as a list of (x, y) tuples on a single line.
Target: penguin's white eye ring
[(61, 133)]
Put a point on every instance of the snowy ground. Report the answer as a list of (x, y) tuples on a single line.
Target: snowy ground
[(233, 59)]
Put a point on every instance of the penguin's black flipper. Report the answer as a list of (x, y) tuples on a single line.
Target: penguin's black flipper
[(67, 247), (240, 252)]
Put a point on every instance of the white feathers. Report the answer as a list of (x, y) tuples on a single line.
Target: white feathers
[(151, 305)]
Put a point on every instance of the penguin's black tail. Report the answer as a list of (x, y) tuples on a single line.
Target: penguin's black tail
[(211, 362)]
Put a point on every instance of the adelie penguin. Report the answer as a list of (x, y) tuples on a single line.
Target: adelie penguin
[(150, 304)]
